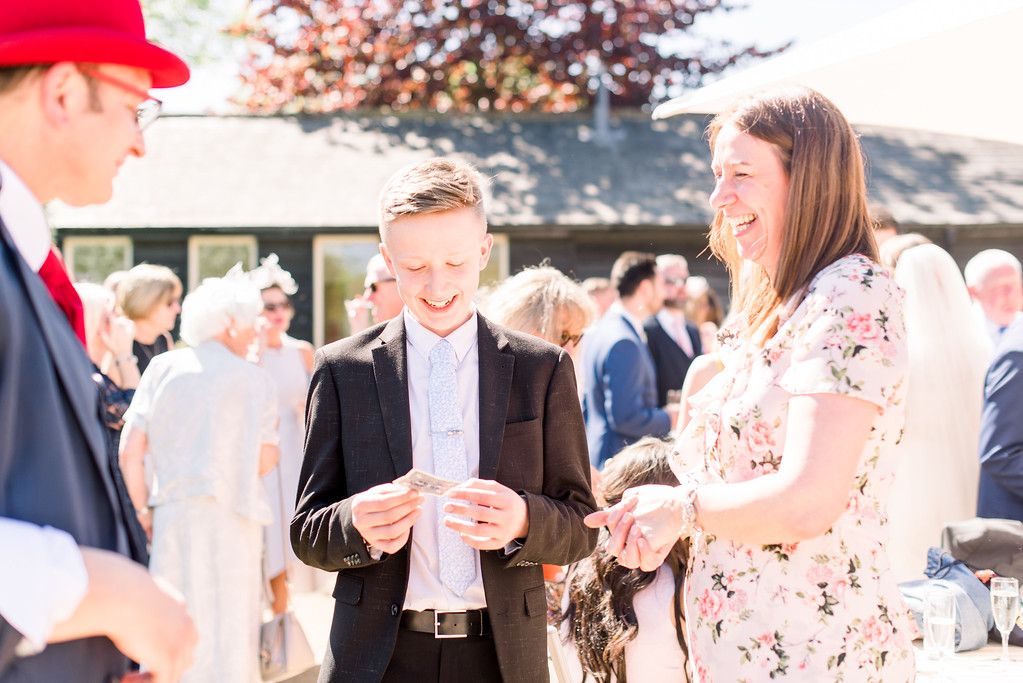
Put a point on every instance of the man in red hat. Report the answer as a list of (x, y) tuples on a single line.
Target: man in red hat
[(74, 80)]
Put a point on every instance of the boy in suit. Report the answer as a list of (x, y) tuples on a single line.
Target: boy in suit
[(441, 589)]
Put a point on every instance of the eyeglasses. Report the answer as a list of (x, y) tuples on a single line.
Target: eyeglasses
[(572, 339), (676, 281), (146, 112), (372, 287), (282, 306)]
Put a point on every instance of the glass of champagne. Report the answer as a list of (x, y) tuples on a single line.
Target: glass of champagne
[(1005, 605), (939, 623)]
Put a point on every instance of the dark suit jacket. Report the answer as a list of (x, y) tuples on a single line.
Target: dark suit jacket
[(1001, 431), (620, 403), (670, 360), (54, 466), (358, 435)]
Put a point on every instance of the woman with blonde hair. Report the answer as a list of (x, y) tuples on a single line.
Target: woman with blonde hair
[(786, 464), (544, 302), (150, 296)]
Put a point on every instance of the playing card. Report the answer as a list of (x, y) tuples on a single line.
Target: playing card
[(425, 482)]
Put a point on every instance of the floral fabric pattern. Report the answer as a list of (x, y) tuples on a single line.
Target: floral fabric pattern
[(825, 608)]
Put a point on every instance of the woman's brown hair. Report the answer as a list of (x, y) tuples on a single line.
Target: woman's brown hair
[(826, 213), (600, 614)]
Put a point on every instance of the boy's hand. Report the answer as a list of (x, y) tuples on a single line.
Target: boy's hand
[(495, 514), (384, 515)]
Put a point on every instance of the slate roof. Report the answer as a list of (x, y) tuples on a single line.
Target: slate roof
[(321, 173)]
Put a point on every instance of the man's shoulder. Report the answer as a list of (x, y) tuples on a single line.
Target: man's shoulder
[(1011, 343)]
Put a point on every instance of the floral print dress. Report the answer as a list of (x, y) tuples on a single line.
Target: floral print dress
[(824, 609)]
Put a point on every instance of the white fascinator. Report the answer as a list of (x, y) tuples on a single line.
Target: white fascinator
[(270, 274)]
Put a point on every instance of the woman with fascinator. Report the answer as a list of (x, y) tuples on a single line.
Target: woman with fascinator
[(208, 418), (289, 362)]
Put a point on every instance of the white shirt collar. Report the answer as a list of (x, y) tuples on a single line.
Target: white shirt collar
[(669, 318), (635, 322), (422, 340), (24, 218)]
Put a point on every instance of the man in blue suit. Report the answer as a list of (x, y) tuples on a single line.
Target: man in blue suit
[(620, 401), (1001, 431)]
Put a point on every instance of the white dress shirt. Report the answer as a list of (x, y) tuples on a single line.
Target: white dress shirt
[(675, 325), (41, 568), (425, 589), (24, 218), (994, 330)]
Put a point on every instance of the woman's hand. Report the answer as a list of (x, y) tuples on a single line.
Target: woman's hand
[(145, 517), (119, 337), (644, 526)]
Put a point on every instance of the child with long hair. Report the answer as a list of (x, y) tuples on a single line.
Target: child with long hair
[(627, 624)]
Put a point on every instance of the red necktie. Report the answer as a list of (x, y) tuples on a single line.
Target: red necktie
[(63, 292)]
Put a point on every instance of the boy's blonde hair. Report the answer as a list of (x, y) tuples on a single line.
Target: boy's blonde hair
[(144, 287), (431, 186)]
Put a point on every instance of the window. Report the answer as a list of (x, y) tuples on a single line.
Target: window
[(92, 259), (213, 256), (339, 269)]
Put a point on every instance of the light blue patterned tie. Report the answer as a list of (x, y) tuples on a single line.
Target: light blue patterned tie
[(457, 560)]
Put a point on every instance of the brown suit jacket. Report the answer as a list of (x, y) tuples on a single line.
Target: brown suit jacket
[(358, 435)]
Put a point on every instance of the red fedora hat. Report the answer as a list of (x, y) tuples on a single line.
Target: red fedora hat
[(100, 31)]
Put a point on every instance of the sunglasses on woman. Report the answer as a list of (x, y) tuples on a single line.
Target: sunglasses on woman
[(281, 306), (573, 339)]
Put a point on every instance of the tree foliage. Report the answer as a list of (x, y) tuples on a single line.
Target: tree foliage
[(194, 29), (467, 55)]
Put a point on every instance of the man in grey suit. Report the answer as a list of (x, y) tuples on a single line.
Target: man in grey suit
[(72, 603), (441, 589)]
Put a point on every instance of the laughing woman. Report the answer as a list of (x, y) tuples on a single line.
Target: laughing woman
[(786, 465)]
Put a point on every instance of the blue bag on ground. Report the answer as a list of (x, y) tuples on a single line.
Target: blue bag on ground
[(973, 601)]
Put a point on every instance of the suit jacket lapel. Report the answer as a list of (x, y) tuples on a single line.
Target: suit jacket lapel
[(70, 363), (390, 368), (496, 369)]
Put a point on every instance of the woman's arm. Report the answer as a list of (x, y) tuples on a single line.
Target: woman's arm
[(307, 356), (269, 454), (134, 445), (825, 438), (701, 371)]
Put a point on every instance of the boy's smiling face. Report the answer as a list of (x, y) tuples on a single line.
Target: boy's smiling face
[(436, 259)]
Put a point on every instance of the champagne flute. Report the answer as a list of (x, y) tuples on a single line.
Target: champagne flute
[(1005, 605)]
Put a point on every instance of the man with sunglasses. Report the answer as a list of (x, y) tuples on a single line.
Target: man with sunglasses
[(674, 341), (73, 101), (379, 301)]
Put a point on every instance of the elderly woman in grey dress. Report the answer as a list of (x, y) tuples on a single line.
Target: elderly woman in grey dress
[(208, 418)]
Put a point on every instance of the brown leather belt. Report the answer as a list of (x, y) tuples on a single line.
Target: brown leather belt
[(448, 623)]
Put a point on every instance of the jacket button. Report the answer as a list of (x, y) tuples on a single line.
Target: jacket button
[(394, 610)]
